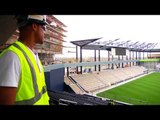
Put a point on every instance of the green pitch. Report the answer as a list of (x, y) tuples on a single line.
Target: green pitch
[(149, 60), (142, 91)]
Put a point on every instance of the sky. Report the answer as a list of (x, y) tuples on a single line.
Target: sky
[(142, 28)]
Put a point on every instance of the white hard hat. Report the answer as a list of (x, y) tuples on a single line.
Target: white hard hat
[(23, 20)]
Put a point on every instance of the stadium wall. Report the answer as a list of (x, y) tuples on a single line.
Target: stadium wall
[(55, 79)]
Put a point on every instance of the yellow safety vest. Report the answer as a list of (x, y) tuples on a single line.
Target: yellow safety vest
[(32, 87)]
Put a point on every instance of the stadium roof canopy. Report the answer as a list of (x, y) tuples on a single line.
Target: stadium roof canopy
[(94, 44), (85, 42)]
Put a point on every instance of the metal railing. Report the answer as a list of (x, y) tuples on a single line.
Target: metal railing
[(57, 66)]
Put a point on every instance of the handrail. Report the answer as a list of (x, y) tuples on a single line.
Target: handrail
[(78, 85), (57, 66)]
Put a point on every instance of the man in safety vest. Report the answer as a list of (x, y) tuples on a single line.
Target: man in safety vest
[(22, 80)]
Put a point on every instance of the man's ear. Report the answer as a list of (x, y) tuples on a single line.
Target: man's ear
[(34, 26)]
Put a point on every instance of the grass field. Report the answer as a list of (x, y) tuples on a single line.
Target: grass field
[(149, 60), (142, 91)]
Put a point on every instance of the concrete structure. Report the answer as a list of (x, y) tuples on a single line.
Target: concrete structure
[(121, 50)]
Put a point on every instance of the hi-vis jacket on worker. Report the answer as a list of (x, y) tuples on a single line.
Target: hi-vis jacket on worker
[(31, 89)]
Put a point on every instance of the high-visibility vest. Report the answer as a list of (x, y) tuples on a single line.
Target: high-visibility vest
[(32, 87)]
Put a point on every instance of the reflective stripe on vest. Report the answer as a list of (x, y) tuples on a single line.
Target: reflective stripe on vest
[(35, 86)]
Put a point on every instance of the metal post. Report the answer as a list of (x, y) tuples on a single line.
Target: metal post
[(95, 68), (76, 58), (99, 59), (80, 59)]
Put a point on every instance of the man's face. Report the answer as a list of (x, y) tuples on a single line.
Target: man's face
[(40, 34)]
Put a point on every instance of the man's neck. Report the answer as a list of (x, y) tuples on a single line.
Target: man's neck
[(29, 44)]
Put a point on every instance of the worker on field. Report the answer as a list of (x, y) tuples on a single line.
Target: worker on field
[(22, 80)]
